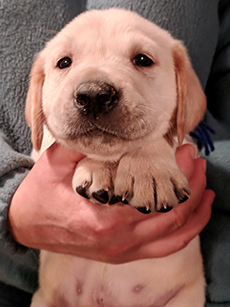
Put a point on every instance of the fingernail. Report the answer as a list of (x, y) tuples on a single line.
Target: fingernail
[(192, 151)]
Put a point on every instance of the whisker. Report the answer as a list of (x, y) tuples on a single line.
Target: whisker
[(155, 109)]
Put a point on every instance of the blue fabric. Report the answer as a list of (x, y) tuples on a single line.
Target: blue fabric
[(202, 135)]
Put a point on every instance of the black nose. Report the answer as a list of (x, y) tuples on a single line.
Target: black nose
[(95, 97)]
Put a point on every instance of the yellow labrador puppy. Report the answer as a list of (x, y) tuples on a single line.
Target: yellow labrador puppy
[(122, 91)]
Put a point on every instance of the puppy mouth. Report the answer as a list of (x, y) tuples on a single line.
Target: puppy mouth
[(111, 129), (97, 131)]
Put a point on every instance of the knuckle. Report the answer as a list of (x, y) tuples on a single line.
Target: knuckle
[(101, 233), (178, 218), (105, 233), (182, 243)]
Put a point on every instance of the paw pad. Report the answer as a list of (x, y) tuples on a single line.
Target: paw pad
[(82, 190), (101, 196)]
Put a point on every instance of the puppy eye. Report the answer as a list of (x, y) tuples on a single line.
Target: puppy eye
[(142, 60), (64, 63)]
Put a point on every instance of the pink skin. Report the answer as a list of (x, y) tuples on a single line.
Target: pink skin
[(66, 223)]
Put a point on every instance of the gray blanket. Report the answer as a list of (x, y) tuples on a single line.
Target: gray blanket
[(25, 27)]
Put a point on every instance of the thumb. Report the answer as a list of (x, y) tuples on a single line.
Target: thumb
[(61, 159), (185, 156)]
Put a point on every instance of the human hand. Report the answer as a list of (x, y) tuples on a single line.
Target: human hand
[(162, 234), (46, 213)]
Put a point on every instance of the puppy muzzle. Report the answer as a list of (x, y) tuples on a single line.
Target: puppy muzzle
[(95, 97)]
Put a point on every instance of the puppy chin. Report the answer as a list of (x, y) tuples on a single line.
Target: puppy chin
[(103, 147), (98, 149)]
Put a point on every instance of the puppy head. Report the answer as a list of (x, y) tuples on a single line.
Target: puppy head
[(111, 80)]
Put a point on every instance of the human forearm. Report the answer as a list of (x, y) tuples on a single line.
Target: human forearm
[(14, 168)]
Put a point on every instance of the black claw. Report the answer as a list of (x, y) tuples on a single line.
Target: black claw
[(165, 209), (117, 199), (125, 201), (114, 200), (82, 191), (183, 199), (181, 194), (101, 196), (144, 210)]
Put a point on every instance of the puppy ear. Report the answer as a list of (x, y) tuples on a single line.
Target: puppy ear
[(191, 100), (33, 111)]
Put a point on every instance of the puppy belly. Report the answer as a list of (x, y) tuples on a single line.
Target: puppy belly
[(70, 281)]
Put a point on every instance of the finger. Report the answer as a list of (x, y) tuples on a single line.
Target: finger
[(62, 154), (180, 239), (197, 184), (61, 159), (185, 156)]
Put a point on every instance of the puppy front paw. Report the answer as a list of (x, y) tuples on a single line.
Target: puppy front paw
[(147, 184), (93, 180), (150, 185)]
